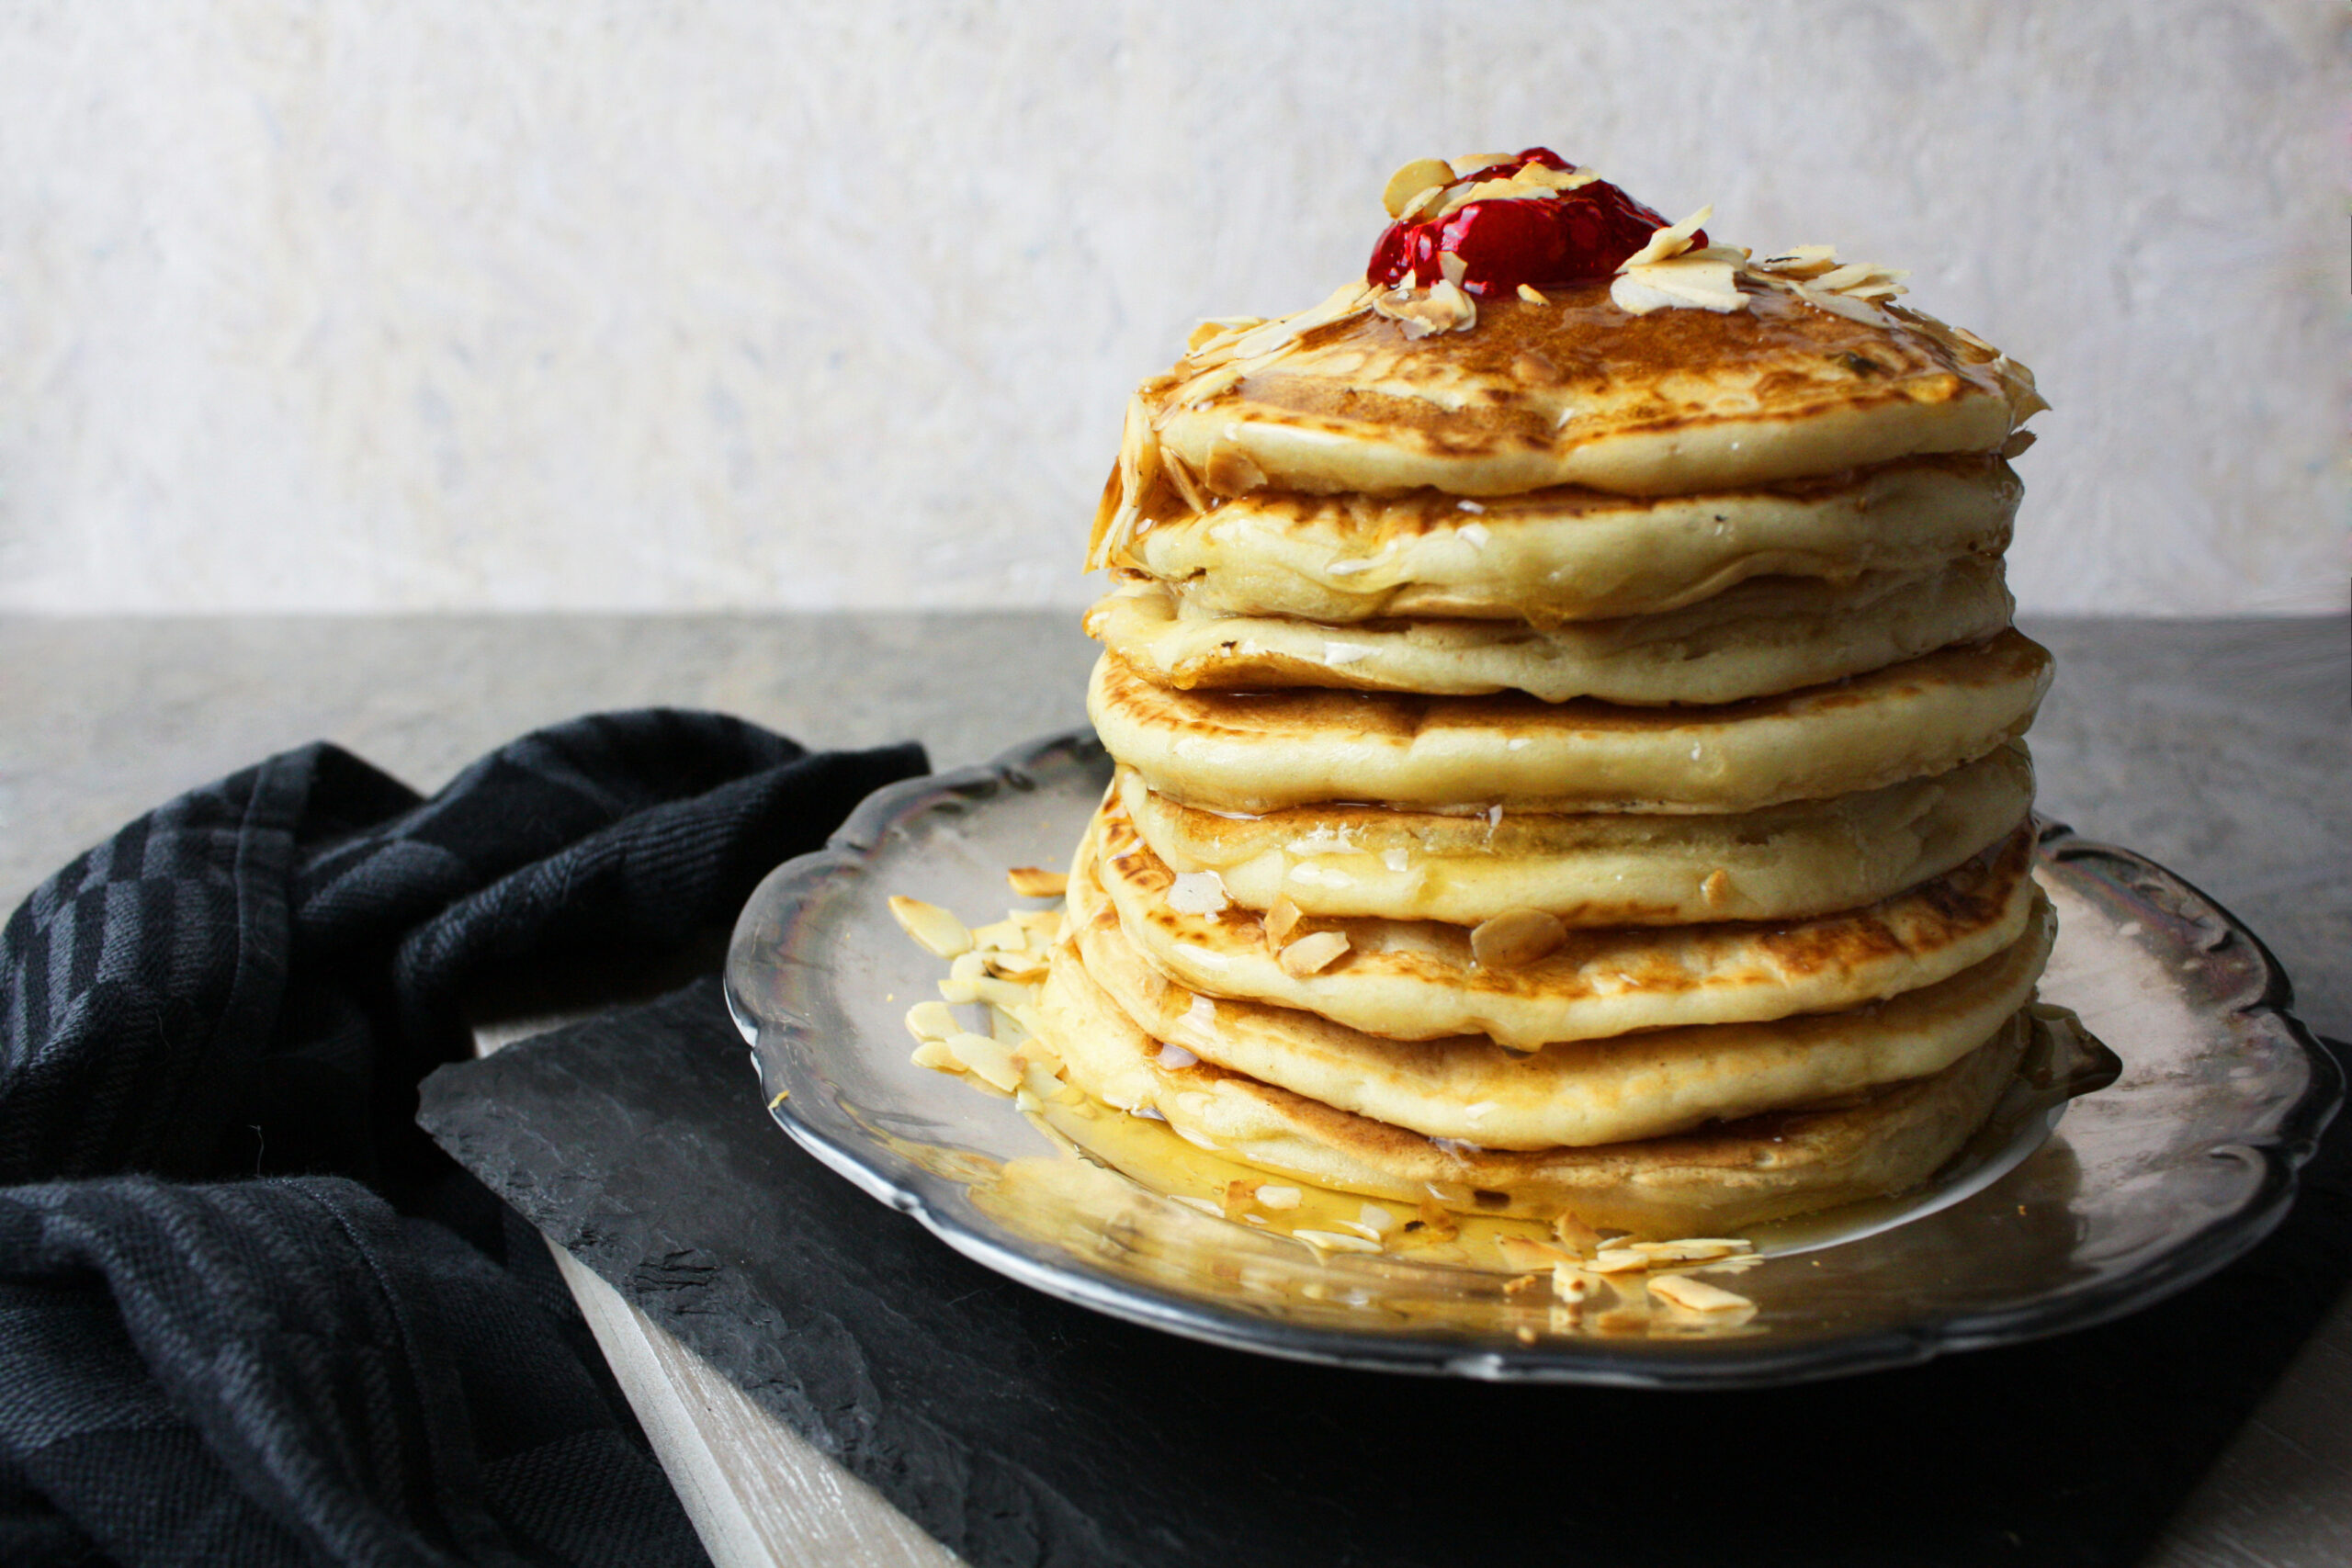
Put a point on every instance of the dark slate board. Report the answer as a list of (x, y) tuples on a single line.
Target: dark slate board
[(1020, 1431)]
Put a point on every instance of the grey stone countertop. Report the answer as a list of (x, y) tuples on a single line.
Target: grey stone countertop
[(2217, 748)]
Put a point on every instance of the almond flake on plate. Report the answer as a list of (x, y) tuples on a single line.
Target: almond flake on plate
[(1335, 1241), (931, 1021), (989, 1059), (1036, 882), (1697, 1295), (999, 936), (936, 929)]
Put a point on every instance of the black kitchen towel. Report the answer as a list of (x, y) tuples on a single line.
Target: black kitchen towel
[(248, 1312)]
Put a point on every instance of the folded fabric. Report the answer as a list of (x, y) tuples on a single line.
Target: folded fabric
[(247, 1313)]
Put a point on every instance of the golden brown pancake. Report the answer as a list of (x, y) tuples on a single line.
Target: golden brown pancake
[(1261, 752), (1577, 391), (1574, 1092), (1551, 556), (1707, 1181), (1421, 980), (1595, 868), (1765, 637)]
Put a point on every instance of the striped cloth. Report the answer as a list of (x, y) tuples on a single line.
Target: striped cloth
[(248, 1313)]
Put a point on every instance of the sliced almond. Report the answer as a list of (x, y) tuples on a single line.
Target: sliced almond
[(1018, 966), (1699, 283), (1526, 1252), (1282, 918), (935, 1055), (1216, 332), (1532, 294), (1006, 994), (1800, 260), (1671, 240), (1442, 308), (1846, 276), (1572, 1284), (1413, 179), (936, 929), (1198, 893), (931, 1021), (1273, 1196), (2017, 442), (999, 936), (1716, 889), (1231, 472), (986, 1058), (1421, 206), (1469, 164), (1335, 1241), (1274, 337), (1516, 938), (1618, 1260), (1697, 1295), (1312, 955), (1838, 304), (1695, 1249), (1180, 474), (1576, 1235)]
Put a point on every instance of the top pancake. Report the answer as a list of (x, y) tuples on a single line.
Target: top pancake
[(1578, 391)]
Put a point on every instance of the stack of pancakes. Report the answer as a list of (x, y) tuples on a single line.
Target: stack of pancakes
[(1570, 762)]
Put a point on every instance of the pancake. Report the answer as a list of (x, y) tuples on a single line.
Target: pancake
[(1808, 858), (1419, 980), (1577, 391), (1707, 1181), (1263, 751), (1765, 637), (1550, 556), (1574, 1092)]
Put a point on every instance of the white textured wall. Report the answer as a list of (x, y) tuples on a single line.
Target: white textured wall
[(421, 303)]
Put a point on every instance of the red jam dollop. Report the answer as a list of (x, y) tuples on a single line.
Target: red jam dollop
[(1579, 236)]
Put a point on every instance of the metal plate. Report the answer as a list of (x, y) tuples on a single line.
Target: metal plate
[(2143, 1188)]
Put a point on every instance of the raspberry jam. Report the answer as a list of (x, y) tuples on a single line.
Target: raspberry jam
[(1577, 236)]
